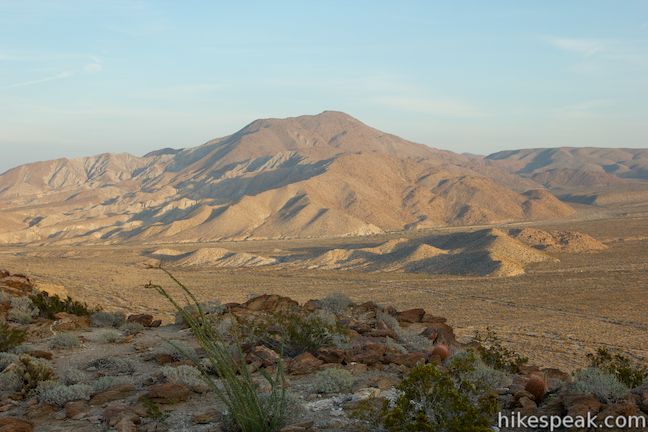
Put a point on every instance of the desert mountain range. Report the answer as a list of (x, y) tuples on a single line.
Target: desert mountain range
[(310, 176)]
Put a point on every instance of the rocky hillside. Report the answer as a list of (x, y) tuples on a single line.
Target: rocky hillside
[(310, 176), (346, 367)]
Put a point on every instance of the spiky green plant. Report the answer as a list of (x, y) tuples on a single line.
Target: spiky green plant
[(251, 410)]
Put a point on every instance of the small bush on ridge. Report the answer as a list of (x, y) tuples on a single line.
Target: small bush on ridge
[(629, 373), (605, 386), (496, 355), (333, 380), (10, 337)]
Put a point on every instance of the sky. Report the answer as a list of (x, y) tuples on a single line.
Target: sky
[(87, 77)]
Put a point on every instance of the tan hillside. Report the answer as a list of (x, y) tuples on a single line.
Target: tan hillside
[(310, 176), (558, 241)]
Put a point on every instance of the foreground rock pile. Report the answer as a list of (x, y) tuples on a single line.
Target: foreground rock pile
[(99, 371)]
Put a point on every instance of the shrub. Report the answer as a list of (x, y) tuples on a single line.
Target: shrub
[(22, 310), (131, 328), (10, 337), (626, 371), (114, 365), (212, 307), (490, 377), (336, 302), (107, 319), (333, 380), (110, 336), (51, 305), (605, 386), (6, 359), (175, 348), (496, 355), (24, 374), (187, 375), (235, 388), (73, 376), (64, 340), (105, 382), (434, 399), (53, 393)]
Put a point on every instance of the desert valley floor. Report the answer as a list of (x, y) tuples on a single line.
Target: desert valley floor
[(555, 313)]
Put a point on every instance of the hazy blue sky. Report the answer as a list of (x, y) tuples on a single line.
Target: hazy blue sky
[(84, 77)]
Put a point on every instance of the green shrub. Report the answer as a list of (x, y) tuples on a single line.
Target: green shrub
[(51, 305), (333, 380), (73, 376), (434, 399), (625, 370), (496, 355), (53, 393), (605, 386), (64, 340), (107, 319), (251, 410), (10, 337), (336, 302), (24, 374), (187, 375), (22, 310), (110, 336)]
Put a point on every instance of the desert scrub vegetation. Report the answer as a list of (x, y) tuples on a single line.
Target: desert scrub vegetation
[(336, 302), (186, 375), (22, 310), (64, 341), (629, 373), (605, 386), (49, 306), (113, 365), (496, 355), (333, 380), (107, 319), (54, 393), (250, 409), (131, 329), (432, 398), (10, 337), (24, 374)]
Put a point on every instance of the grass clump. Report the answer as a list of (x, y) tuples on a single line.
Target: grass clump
[(250, 410), (64, 341), (105, 382), (496, 355), (434, 399), (53, 393), (10, 337), (333, 380), (629, 373), (49, 306), (107, 319), (605, 386), (74, 376), (131, 328), (336, 302)]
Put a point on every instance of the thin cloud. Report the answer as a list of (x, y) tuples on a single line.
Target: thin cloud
[(95, 66), (582, 46)]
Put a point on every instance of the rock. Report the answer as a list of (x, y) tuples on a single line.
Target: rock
[(332, 355), (411, 315), (624, 408), (440, 333), (265, 355), (370, 354), (299, 427), (40, 354), (528, 407), (441, 351), (12, 424), (356, 368), (407, 359), (304, 364), (115, 414), (144, 319), (76, 409), (271, 303), (168, 393), (15, 285), (70, 322), (579, 405), (427, 318), (643, 400), (209, 416), (121, 391), (537, 387), (312, 305)]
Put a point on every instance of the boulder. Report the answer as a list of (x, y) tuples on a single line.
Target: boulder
[(168, 393), (265, 355), (440, 333), (304, 364), (76, 409), (332, 355), (271, 303), (70, 322), (407, 359), (121, 391), (369, 353), (12, 424), (145, 320), (579, 405), (411, 315)]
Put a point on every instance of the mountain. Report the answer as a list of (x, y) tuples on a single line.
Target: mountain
[(568, 167), (309, 176)]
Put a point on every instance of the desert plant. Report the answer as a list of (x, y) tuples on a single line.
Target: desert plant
[(251, 410), (187, 375), (114, 365), (110, 336), (496, 355), (10, 337), (73, 376), (6, 359), (49, 306), (22, 310), (105, 382), (435, 399), (64, 340), (605, 386), (131, 328), (333, 380), (24, 374), (629, 373), (54, 393), (336, 302), (490, 377), (107, 319)]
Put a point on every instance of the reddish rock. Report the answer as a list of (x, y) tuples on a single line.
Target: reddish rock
[(312, 305), (121, 391), (144, 319), (168, 393), (271, 303), (304, 364), (265, 355), (626, 408), (12, 424), (75, 410), (369, 354), (70, 322), (411, 315), (440, 333), (15, 285), (40, 354), (580, 405), (537, 387), (427, 318), (527, 406), (332, 355), (408, 359)]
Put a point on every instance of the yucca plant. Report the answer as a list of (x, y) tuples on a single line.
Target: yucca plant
[(251, 410)]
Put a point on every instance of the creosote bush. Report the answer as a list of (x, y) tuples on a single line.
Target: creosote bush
[(49, 306), (496, 355), (336, 302), (10, 337), (250, 410), (22, 310), (431, 398), (24, 374), (605, 386), (64, 340), (114, 365), (107, 319), (131, 328), (54, 393), (629, 373), (333, 380)]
